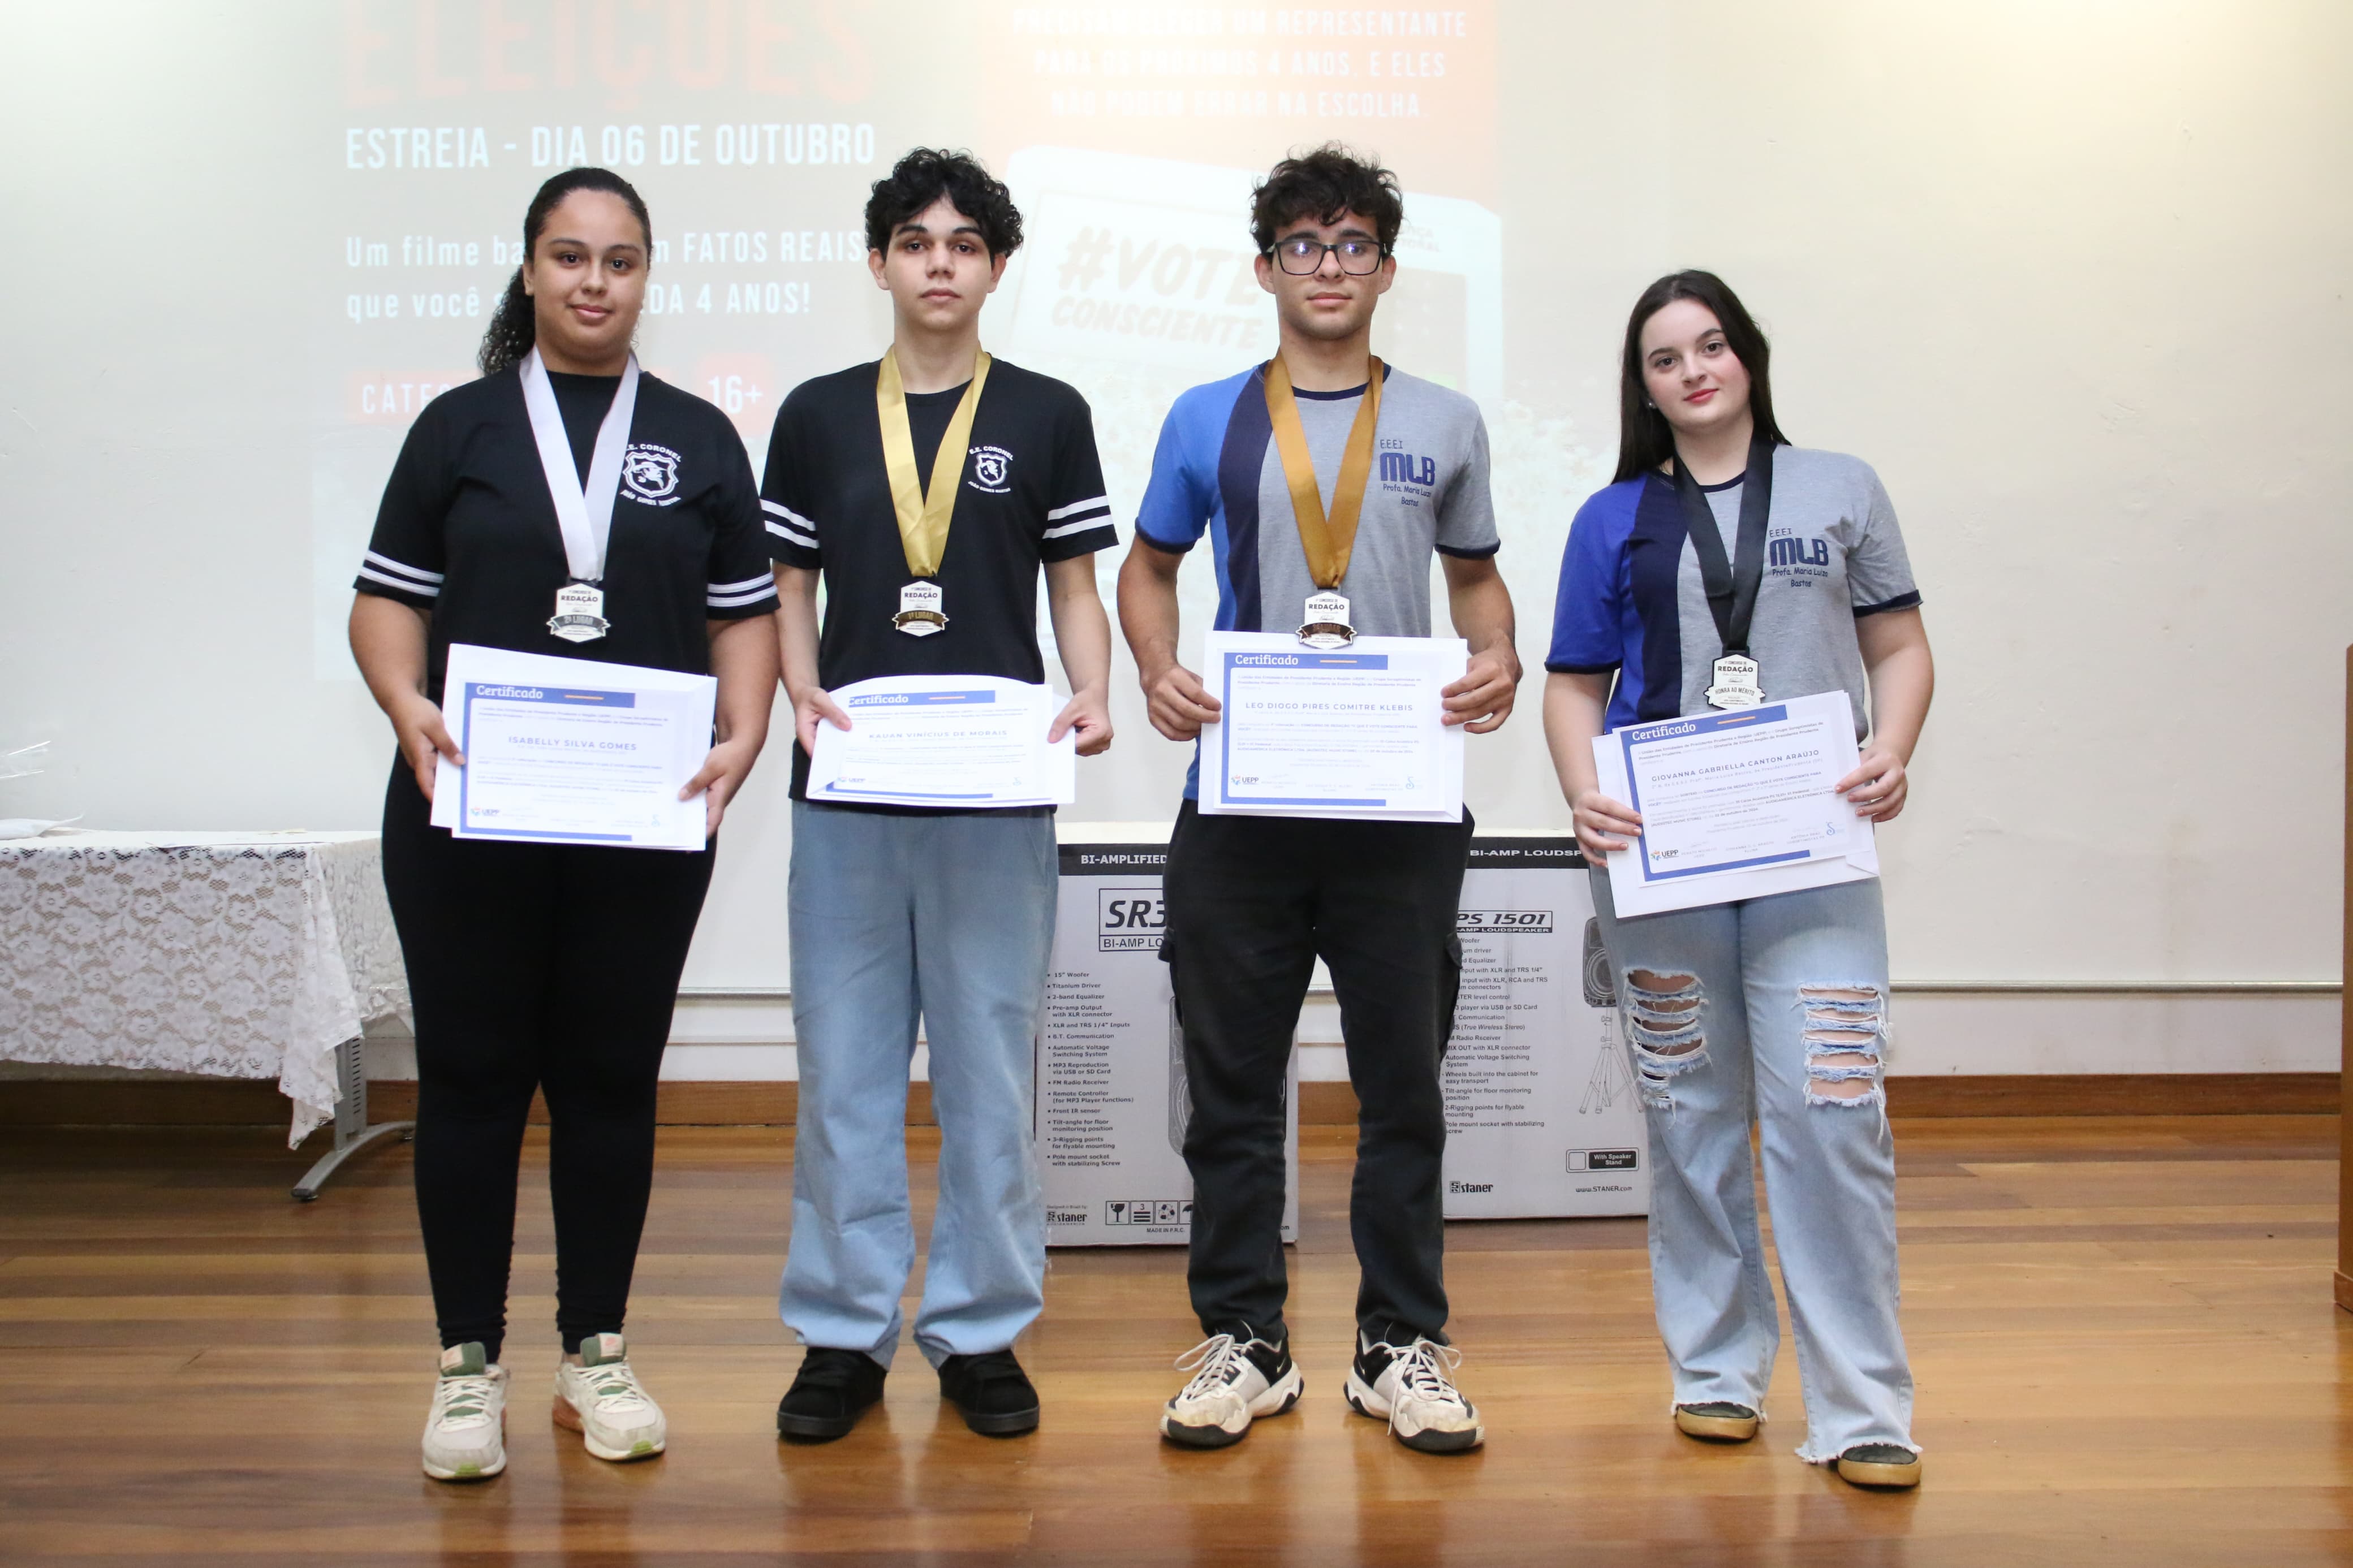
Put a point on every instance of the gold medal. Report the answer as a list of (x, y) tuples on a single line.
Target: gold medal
[(1327, 542), (923, 513)]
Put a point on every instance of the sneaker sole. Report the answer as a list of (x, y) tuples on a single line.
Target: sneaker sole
[(474, 1472), (1285, 1393), (569, 1419), (1365, 1402), (1717, 1428), (1888, 1477), (465, 1472), (1004, 1423), (818, 1428)]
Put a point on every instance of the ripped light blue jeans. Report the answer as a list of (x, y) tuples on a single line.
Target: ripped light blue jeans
[(1774, 1010)]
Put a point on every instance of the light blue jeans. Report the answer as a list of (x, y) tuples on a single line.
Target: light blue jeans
[(1773, 1010), (948, 919)]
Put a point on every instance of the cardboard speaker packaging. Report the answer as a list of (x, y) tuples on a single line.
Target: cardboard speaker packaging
[(1541, 1113), (1111, 1099)]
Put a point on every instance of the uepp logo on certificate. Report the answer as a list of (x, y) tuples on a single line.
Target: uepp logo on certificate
[(1359, 732), (1735, 805), (566, 751)]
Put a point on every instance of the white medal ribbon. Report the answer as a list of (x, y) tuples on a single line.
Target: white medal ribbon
[(584, 513)]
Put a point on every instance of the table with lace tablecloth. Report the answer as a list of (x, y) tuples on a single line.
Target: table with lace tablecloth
[(230, 954)]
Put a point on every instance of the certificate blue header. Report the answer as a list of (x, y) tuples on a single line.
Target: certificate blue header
[(1307, 658), (1701, 724), (507, 691), (920, 699)]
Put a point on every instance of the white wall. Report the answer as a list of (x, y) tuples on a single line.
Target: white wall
[(2070, 276)]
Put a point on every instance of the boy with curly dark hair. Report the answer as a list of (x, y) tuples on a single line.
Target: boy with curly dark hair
[(1254, 900), (926, 491)]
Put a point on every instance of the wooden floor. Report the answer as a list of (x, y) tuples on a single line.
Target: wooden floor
[(2121, 1327)]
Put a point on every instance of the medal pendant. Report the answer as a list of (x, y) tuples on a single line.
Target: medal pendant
[(919, 610), (579, 612), (1326, 625), (1735, 683)]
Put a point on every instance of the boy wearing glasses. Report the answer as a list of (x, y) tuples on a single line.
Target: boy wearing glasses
[(1399, 466)]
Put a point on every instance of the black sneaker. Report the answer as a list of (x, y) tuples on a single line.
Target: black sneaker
[(991, 1392), (828, 1395)]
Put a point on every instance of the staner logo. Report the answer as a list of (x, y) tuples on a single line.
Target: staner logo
[(1470, 1186)]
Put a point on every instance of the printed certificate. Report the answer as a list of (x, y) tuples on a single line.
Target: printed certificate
[(945, 741), (1735, 805), (571, 751), (1350, 732)]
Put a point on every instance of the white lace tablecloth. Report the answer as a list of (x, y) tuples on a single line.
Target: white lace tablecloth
[(232, 954)]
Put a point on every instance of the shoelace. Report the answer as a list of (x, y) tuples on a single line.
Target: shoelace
[(1421, 1368), (1221, 1360), (615, 1386), (464, 1401)]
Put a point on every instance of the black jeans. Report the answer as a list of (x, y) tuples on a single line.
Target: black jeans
[(547, 967), (1252, 902)]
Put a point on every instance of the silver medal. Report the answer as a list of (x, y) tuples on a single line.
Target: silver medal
[(1326, 625), (1735, 684), (579, 612)]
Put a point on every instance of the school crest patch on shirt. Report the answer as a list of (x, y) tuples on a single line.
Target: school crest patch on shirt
[(992, 469), (651, 473)]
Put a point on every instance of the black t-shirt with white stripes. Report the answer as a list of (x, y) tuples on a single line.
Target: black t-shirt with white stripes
[(1033, 492), (467, 528)]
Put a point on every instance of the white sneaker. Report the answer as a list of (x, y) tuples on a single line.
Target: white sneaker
[(1231, 1388), (1409, 1387), (466, 1432), (600, 1399)]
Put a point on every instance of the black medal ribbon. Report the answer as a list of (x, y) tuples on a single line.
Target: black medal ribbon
[(1731, 586)]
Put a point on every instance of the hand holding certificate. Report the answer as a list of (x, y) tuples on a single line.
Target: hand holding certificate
[(1356, 732), (1735, 805), (571, 751), (945, 741)]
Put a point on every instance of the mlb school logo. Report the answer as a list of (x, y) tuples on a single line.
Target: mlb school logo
[(1792, 552), (651, 474), (1405, 468), (992, 469)]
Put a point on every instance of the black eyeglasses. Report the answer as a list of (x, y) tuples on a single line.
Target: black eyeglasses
[(1304, 256)]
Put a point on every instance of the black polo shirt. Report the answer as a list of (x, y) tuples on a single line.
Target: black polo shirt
[(1033, 492), (468, 531)]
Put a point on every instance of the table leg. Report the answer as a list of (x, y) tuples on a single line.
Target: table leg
[(353, 1133)]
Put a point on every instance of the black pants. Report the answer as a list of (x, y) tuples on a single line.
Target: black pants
[(530, 966), (1251, 903)]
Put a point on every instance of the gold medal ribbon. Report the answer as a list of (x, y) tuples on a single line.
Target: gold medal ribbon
[(1326, 541), (923, 514)]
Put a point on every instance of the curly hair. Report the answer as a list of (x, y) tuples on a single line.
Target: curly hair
[(927, 173), (1322, 185), (513, 329)]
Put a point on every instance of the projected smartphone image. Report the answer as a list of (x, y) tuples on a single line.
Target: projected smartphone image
[(1600, 980), (1146, 264)]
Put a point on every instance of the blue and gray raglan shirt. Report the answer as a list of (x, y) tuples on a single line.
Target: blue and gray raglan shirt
[(1631, 600), (1217, 471)]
